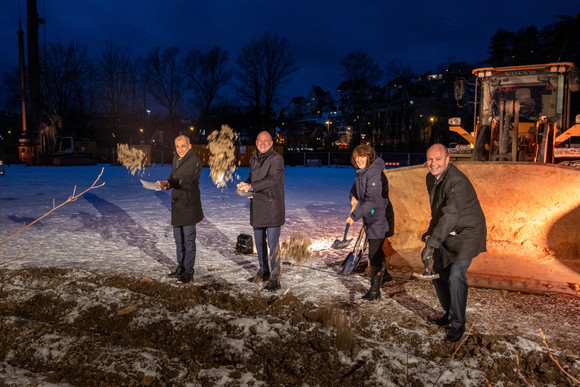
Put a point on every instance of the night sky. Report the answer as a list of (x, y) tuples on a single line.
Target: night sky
[(421, 34)]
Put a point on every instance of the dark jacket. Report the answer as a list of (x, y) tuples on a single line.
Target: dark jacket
[(267, 207), (371, 189), (457, 224), (185, 198)]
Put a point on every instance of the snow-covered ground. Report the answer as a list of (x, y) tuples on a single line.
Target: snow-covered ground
[(110, 250)]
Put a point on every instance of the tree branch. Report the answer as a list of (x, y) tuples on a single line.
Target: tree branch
[(452, 356), (71, 198), (554, 360), (520, 372)]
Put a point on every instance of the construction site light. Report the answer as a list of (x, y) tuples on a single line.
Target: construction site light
[(455, 121)]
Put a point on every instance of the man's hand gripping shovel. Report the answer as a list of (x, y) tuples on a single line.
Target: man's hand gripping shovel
[(427, 258), (341, 244)]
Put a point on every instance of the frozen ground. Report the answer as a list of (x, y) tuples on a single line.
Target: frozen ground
[(92, 305)]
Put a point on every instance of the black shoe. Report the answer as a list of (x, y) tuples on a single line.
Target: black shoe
[(176, 273), (442, 321), (386, 277), (260, 277), (272, 286), (185, 278), (454, 334)]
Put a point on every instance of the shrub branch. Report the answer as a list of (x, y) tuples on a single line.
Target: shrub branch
[(71, 198)]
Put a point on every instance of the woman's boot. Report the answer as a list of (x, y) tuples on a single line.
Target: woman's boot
[(374, 292)]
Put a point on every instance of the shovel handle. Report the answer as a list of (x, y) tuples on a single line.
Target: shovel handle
[(348, 224), (346, 231), (353, 207)]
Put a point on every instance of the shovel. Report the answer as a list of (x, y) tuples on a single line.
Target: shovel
[(341, 244), (351, 261), (428, 274)]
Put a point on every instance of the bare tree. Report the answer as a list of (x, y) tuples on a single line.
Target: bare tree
[(165, 80), (118, 84), (208, 73), (279, 64), (63, 76), (250, 74), (361, 74), (360, 68), (263, 66), (396, 69), (114, 69)]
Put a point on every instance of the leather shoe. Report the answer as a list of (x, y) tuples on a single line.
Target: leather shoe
[(185, 278), (455, 334), (176, 273), (260, 277), (442, 321), (272, 286)]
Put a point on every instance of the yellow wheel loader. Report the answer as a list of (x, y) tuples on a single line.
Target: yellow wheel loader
[(523, 113), (532, 206)]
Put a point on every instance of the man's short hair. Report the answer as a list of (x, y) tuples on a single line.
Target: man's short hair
[(438, 145), (268, 133), (187, 141)]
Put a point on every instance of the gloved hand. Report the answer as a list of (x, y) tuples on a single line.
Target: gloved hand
[(427, 258), (427, 253)]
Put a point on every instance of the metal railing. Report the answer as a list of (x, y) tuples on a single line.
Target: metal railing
[(317, 159)]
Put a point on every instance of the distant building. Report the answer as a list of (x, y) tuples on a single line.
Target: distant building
[(316, 107)]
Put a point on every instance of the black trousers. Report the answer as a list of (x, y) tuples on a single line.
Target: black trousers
[(376, 253), (185, 247), (451, 288)]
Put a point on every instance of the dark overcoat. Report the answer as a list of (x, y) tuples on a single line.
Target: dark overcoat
[(267, 208), (371, 189), (457, 224), (185, 198)]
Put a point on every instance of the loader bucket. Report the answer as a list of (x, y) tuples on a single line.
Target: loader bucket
[(533, 221)]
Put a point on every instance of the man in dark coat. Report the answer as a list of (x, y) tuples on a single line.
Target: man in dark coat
[(267, 209), (186, 209), (456, 234)]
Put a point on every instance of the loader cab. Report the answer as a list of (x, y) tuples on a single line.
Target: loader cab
[(522, 112)]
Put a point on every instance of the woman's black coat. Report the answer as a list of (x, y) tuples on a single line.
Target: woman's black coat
[(185, 198), (371, 189)]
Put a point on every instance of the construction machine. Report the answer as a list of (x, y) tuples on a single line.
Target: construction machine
[(531, 199), (533, 224), (522, 113), (69, 151)]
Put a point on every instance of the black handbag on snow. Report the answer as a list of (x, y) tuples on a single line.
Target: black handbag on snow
[(245, 244)]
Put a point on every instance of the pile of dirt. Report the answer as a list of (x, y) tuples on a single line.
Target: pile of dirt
[(84, 329)]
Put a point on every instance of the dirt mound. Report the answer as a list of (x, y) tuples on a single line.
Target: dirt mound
[(70, 326)]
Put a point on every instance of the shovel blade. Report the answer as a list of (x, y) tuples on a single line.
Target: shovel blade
[(350, 265), (427, 277), (338, 244)]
